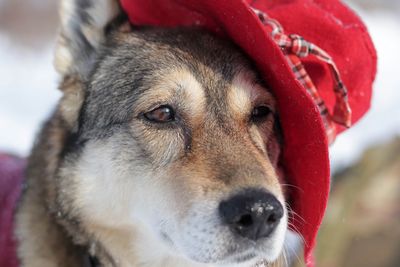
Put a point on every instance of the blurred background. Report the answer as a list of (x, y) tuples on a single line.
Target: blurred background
[(362, 224)]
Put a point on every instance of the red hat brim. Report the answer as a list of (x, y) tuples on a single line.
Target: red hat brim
[(330, 25)]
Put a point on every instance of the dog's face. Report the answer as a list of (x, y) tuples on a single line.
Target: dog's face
[(175, 136)]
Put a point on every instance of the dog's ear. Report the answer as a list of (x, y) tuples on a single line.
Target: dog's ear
[(83, 30), (84, 24)]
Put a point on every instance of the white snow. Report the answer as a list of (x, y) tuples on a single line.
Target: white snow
[(28, 92)]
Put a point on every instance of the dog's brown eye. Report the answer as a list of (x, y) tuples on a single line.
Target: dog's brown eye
[(260, 113), (161, 114)]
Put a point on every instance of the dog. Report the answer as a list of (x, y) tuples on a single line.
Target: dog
[(162, 152)]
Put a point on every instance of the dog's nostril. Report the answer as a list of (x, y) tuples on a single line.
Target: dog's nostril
[(272, 218), (252, 214), (245, 221)]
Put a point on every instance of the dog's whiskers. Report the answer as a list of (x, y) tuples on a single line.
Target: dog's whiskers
[(292, 252), (292, 186), (295, 214)]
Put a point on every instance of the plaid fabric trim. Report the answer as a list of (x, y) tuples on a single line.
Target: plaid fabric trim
[(295, 48)]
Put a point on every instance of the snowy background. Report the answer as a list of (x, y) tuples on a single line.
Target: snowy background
[(28, 82)]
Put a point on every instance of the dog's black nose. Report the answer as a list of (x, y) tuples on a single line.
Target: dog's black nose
[(253, 213)]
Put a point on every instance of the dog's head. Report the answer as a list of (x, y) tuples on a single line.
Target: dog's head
[(172, 134)]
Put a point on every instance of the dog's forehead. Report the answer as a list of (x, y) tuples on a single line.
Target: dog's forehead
[(218, 66), (207, 57)]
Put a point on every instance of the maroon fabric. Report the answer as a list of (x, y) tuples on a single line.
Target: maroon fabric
[(327, 23), (11, 177)]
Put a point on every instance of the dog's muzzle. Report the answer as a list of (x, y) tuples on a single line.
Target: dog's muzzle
[(253, 213)]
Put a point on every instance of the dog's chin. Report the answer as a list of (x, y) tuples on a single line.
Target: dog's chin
[(240, 258), (248, 258), (245, 258)]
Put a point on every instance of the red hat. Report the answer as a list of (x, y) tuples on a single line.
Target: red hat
[(317, 58)]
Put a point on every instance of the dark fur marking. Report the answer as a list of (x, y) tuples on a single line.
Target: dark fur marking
[(73, 145), (115, 23), (278, 130), (81, 9)]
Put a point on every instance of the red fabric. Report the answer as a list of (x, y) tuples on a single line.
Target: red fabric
[(295, 48), (11, 177), (327, 23)]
